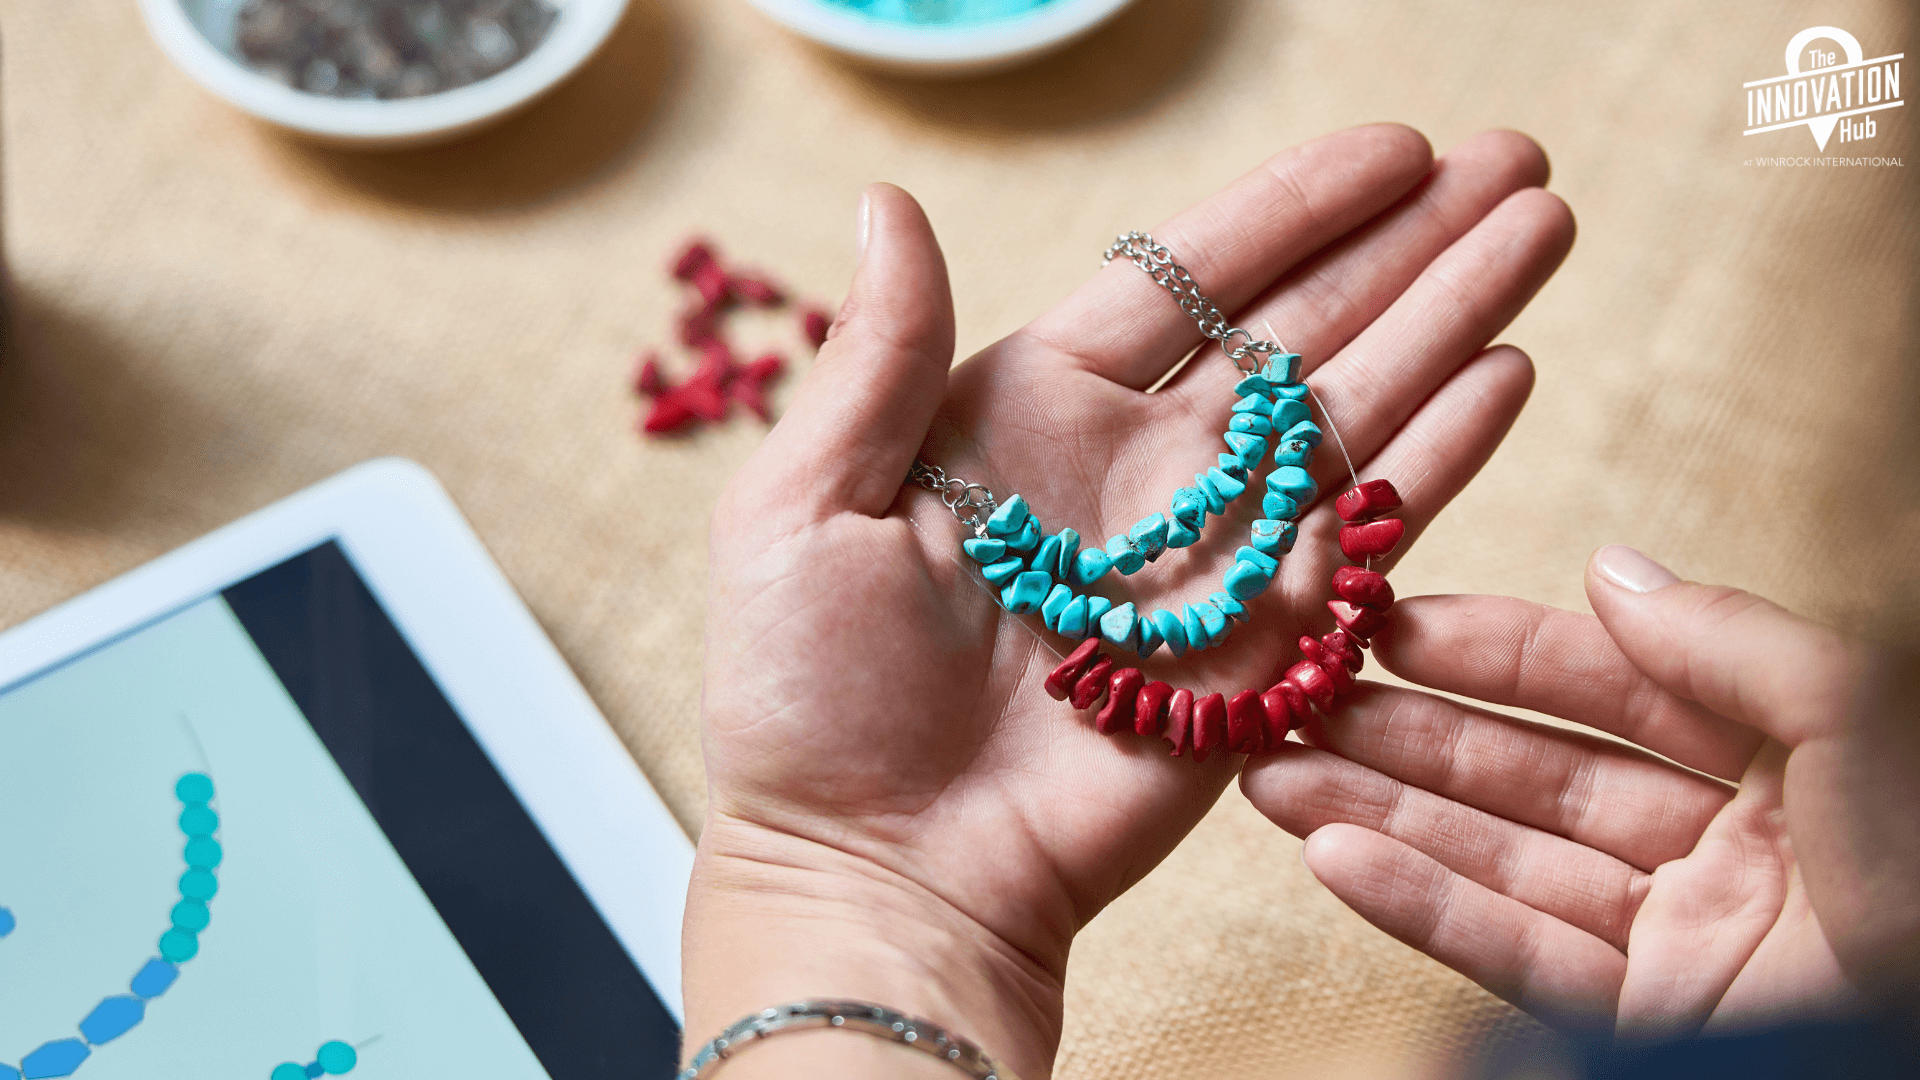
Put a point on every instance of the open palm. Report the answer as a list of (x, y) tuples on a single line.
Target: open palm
[(868, 705)]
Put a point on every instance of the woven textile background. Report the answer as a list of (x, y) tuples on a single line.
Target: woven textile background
[(206, 316)]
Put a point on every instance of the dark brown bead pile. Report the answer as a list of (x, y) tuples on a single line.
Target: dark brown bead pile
[(387, 48)]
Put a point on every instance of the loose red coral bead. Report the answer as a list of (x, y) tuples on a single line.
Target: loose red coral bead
[(1368, 501), (1117, 715), (1371, 540), (1360, 623), (1092, 684), (1246, 722), (1209, 725), (1179, 733), (1279, 715), (1314, 680), (1060, 683), (1343, 645), (1150, 708), (1363, 588)]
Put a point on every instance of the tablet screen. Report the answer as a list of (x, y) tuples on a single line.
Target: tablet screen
[(253, 839)]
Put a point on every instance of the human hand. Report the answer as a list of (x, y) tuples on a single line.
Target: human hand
[(1590, 882), (898, 812)]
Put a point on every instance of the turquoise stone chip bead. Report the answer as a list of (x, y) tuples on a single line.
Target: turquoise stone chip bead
[(1212, 619), (1150, 640), (1227, 486), (1296, 391), (1293, 482), (1090, 566), (1258, 558), (1273, 537), (1253, 384), (1288, 412), (1250, 424), (1279, 507), (1149, 534), (1254, 403), (1233, 466), (1047, 556), (1055, 603), (1305, 431), (1097, 608), (1007, 518), (1180, 534), (984, 551), (1196, 630), (1283, 367), (1069, 551), (1119, 627), (1027, 538), (1173, 630), (1228, 606), (1190, 507), (1293, 452), (1216, 503), (1003, 570), (1244, 581), (1027, 593), (1073, 619), (1126, 558), (1248, 448)]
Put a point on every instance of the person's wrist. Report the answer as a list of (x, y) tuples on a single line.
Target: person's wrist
[(772, 918)]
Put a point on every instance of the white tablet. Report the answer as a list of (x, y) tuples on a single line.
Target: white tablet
[(314, 795)]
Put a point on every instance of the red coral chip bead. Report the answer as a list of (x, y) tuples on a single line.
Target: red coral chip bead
[(1117, 715), (757, 291), (1150, 708), (1092, 684), (1363, 588), (1179, 733), (1060, 683), (1372, 540), (1317, 653), (1360, 623), (1346, 647), (815, 324), (1279, 714), (1299, 708), (696, 256), (1246, 722), (1368, 501), (1209, 725), (1314, 680)]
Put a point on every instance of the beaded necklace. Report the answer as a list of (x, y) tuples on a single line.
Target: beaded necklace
[(1032, 573)]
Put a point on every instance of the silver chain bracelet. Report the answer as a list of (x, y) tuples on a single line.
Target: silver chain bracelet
[(862, 1016)]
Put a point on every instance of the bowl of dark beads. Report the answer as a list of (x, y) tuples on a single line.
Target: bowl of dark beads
[(381, 72)]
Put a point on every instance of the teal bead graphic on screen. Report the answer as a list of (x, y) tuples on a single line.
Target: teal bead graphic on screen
[(288, 1071), (336, 1058), (7, 922), (191, 914), (198, 819), (194, 788), (112, 1018), (203, 852), (153, 979), (179, 945), (199, 884)]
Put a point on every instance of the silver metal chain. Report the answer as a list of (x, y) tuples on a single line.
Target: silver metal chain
[(866, 1017), (971, 503), (1158, 262), (967, 500)]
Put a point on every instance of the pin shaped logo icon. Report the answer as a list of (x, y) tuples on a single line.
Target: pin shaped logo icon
[(1823, 88)]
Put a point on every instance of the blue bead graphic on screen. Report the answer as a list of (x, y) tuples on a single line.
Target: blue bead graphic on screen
[(112, 1018), (58, 1058), (153, 979), (8, 1072), (7, 922)]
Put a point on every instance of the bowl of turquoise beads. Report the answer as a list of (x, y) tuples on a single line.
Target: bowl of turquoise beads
[(941, 37)]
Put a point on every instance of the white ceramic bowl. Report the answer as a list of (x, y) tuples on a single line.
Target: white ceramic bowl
[(188, 30), (967, 49)]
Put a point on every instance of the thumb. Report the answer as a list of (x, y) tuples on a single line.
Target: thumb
[(1738, 654), (856, 420)]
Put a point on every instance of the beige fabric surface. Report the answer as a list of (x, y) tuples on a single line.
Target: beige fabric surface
[(207, 316)]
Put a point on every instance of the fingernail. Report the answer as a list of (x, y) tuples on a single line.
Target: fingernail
[(1629, 569), (863, 225)]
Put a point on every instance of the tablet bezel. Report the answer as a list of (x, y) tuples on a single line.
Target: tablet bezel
[(475, 636)]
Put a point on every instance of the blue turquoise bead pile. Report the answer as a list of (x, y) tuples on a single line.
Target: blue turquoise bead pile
[(1271, 406)]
